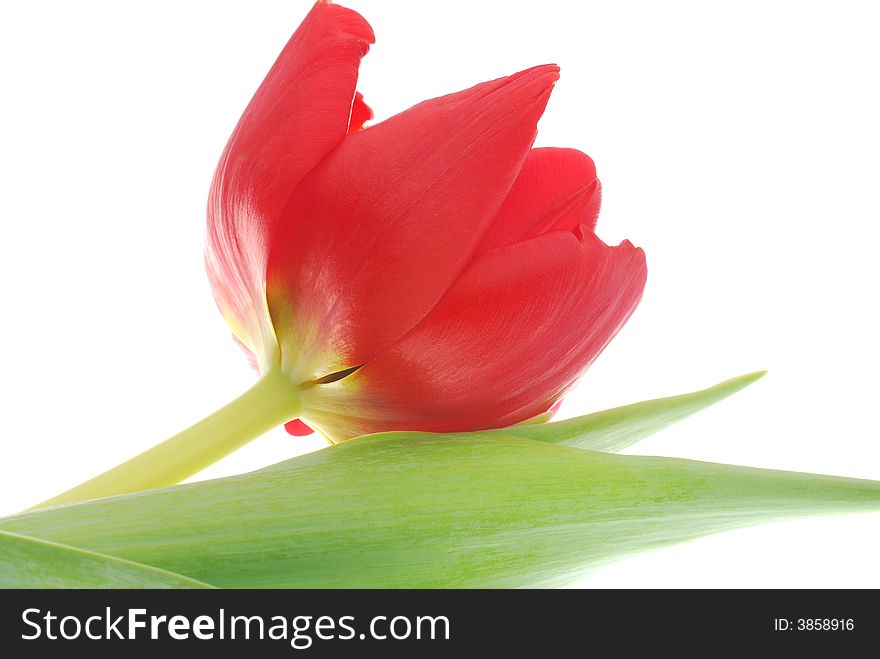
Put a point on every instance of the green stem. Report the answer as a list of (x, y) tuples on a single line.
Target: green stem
[(273, 400)]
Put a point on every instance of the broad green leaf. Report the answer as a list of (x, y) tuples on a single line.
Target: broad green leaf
[(615, 429), (422, 510), (33, 563)]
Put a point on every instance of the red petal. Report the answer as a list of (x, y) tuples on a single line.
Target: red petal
[(505, 343), (298, 428), (360, 113), (379, 230), (299, 113), (556, 190)]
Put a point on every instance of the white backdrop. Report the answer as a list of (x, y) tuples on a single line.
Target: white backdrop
[(737, 144)]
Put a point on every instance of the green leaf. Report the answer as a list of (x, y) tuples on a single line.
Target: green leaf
[(615, 429), (422, 510), (33, 563)]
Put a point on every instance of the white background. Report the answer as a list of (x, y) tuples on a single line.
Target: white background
[(737, 144)]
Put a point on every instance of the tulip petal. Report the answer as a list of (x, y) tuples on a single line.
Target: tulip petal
[(379, 230), (556, 190), (509, 338), (360, 113), (300, 112), (298, 428)]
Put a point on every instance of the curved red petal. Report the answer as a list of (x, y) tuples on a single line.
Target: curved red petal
[(360, 113), (380, 229), (298, 428), (556, 190), (509, 338), (299, 113)]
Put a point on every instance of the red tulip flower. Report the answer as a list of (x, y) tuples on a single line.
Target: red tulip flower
[(430, 272)]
